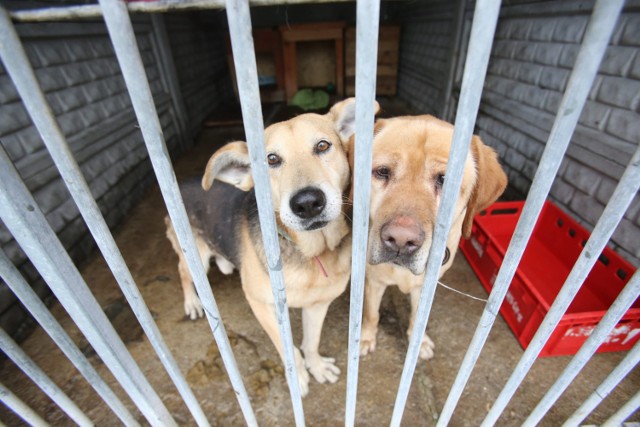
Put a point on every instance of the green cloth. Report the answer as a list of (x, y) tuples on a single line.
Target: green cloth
[(310, 99)]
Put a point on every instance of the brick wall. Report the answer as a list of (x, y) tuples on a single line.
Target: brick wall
[(200, 56), (79, 73), (533, 53), (425, 49)]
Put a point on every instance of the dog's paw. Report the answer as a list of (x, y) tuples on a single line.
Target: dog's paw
[(193, 307), (367, 340), (303, 379), (427, 348), (367, 346), (323, 369)]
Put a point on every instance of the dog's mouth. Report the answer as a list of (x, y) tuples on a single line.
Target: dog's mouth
[(316, 225), (408, 262)]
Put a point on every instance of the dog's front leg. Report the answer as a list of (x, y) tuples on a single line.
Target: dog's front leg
[(373, 293), (266, 315), (322, 368), (427, 346)]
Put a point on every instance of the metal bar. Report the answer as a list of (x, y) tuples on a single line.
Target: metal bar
[(367, 29), (20, 358), (20, 408), (623, 413), (23, 218), (588, 349), (39, 311), (239, 20), (601, 25), (586, 66), (158, 6), (124, 42), (481, 39), (22, 74), (602, 391)]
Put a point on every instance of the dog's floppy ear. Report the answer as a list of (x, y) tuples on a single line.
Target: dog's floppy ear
[(230, 164), (490, 183), (343, 115)]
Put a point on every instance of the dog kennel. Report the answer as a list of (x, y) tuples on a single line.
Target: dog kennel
[(101, 106)]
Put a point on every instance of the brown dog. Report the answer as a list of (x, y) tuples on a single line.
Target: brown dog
[(410, 156), (309, 173)]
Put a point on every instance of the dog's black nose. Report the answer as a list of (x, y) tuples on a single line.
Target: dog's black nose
[(403, 235), (308, 203)]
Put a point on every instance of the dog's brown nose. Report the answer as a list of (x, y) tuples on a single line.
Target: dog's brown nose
[(308, 202), (402, 235)]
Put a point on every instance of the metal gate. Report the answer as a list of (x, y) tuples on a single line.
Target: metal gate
[(21, 215)]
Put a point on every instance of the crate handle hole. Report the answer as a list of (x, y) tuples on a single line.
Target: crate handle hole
[(506, 211), (572, 232), (603, 259), (560, 222), (583, 243), (622, 274)]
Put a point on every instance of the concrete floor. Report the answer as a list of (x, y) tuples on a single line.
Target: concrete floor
[(154, 266)]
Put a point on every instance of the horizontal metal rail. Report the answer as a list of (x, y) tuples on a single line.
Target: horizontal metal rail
[(586, 66), (124, 42), (46, 384), (483, 28), (29, 227), (624, 412), (367, 26), (596, 39), (630, 361), (21, 409), (39, 311), (15, 60), (244, 59), (158, 6)]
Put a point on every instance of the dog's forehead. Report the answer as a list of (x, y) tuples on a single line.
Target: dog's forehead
[(303, 128), (414, 138)]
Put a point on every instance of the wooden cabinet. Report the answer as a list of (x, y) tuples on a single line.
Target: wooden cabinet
[(388, 55)]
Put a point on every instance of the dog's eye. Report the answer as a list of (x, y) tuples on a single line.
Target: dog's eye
[(440, 180), (322, 146), (382, 173), (273, 160)]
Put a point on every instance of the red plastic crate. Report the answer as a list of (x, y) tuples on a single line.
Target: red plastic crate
[(555, 245)]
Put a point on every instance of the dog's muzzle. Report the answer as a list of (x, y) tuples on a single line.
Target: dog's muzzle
[(308, 203)]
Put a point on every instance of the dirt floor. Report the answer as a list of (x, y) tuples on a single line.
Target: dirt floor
[(454, 317)]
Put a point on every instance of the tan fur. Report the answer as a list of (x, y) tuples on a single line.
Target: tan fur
[(305, 284), (416, 150)]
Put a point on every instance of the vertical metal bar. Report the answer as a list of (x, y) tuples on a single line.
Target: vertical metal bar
[(39, 311), (20, 408), (18, 67), (602, 391), (593, 47), (20, 358), (624, 412), (588, 349), (123, 38), (23, 218), (244, 59), (602, 23), (367, 29), (482, 31)]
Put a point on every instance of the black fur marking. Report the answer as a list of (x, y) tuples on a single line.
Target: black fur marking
[(217, 213)]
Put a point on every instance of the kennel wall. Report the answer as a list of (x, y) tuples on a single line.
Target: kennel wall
[(543, 67)]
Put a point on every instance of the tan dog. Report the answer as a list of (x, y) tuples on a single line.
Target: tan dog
[(410, 156), (309, 174)]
